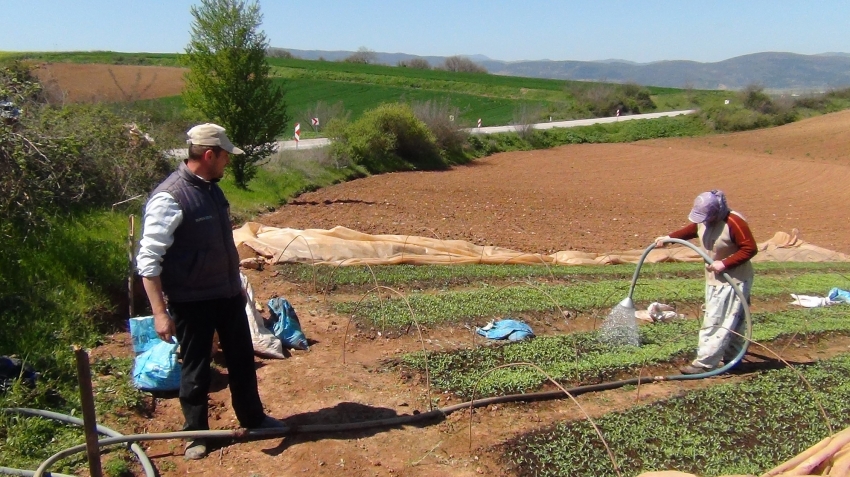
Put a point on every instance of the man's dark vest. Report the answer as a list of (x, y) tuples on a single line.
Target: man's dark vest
[(202, 263)]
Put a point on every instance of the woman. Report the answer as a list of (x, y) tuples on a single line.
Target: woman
[(726, 237)]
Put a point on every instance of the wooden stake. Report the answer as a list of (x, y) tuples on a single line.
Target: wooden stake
[(89, 415), (131, 245)]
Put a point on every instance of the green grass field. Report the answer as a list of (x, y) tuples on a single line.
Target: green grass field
[(493, 98)]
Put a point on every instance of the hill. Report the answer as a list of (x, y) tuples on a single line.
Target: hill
[(773, 70), (785, 71)]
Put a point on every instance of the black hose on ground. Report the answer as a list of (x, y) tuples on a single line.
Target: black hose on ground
[(245, 434)]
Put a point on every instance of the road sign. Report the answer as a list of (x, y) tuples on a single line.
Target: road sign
[(314, 121), (297, 132), (479, 122)]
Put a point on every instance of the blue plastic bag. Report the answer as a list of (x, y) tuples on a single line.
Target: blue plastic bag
[(837, 294), (287, 328), (143, 333), (512, 330), (157, 368)]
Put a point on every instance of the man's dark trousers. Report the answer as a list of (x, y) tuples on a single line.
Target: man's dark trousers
[(196, 322)]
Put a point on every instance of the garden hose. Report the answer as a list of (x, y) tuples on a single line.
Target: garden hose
[(140, 453), (439, 413)]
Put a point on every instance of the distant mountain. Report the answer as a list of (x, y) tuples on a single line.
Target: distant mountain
[(787, 71), (772, 70)]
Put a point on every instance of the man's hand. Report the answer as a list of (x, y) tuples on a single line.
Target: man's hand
[(716, 266), (164, 326), (162, 322)]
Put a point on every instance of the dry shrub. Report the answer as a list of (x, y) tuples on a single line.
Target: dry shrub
[(462, 64), (415, 63), (602, 100), (442, 118), (524, 118), (363, 56)]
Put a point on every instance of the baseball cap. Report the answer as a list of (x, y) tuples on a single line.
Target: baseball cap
[(705, 206), (210, 134)]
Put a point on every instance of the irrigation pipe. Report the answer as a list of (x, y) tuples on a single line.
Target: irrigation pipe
[(140, 453), (439, 413), (28, 473)]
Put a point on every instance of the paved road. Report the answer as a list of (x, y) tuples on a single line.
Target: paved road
[(581, 122), (322, 142), (281, 146)]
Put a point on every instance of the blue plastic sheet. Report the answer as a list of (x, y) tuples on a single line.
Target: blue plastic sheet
[(512, 330), (286, 325), (839, 295)]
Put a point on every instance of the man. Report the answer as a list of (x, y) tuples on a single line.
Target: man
[(726, 237), (190, 270)]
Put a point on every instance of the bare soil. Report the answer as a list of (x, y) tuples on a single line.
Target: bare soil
[(604, 197), (76, 83), (588, 197)]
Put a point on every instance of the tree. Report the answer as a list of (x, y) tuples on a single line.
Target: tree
[(462, 64), (228, 80), (364, 56)]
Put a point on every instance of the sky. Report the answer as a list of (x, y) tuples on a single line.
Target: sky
[(636, 30)]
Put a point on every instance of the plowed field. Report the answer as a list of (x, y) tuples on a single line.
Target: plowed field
[(76, 83), (605, 197)]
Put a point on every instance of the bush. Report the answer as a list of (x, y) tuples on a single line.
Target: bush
[(54, 159), (462, 64), (363, 56), (603, 100), (754, 98), (441, 119), (415, 63), (111, 163), (839, 93), (811, 102), (755, 110), (386, 139), (272, 52)]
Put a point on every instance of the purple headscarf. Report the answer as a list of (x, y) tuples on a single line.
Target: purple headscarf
[(709, 207)]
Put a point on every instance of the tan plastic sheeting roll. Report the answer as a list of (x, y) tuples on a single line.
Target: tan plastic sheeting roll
[(344, 246)]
